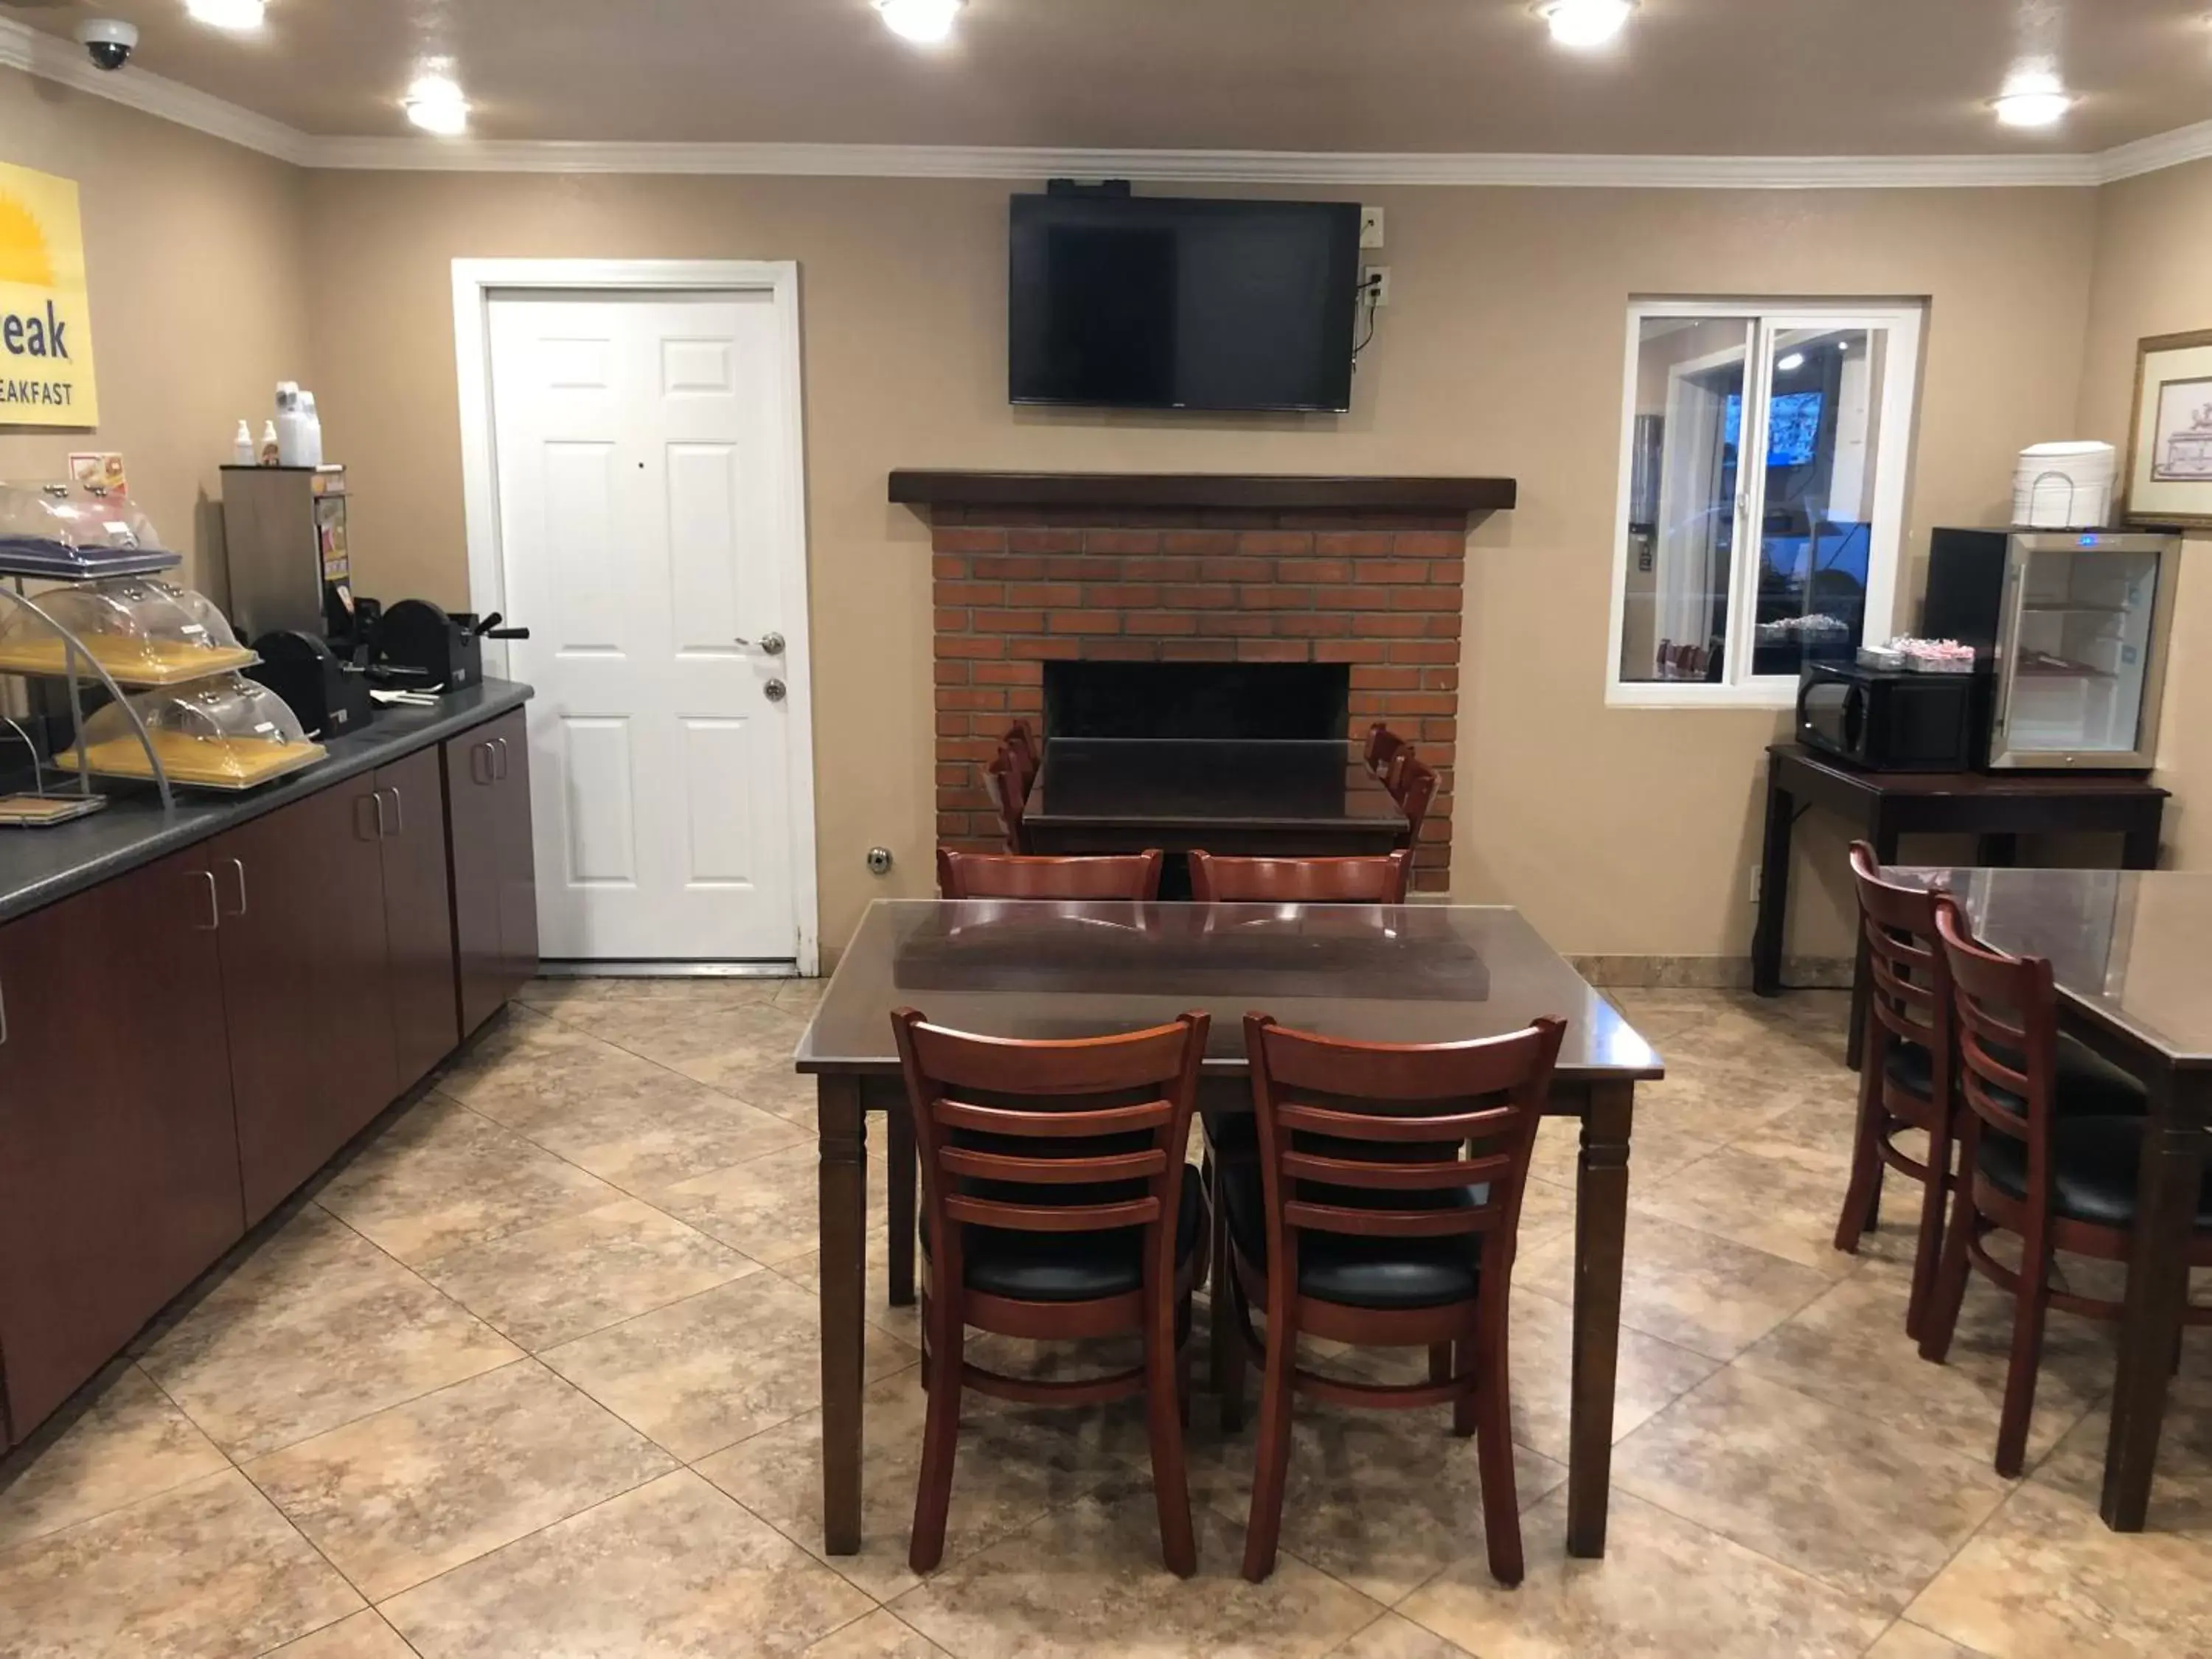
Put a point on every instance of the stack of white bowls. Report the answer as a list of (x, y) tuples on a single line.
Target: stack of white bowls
[(2065, 486)]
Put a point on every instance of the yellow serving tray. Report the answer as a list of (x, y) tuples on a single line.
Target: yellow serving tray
[(203, 763), (127, 662)]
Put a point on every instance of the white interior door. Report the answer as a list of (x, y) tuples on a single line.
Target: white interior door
[(642, 451)]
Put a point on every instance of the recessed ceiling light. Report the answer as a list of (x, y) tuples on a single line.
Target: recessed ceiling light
[(2034, 99), (927, 22), (1795, 359), (435, 104), (239, 14), (1585, 22)]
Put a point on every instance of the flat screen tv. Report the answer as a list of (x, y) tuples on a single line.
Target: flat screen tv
[(1161, 303)]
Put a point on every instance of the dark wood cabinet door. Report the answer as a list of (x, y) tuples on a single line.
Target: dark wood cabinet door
[(472, 831), (306, 980), (118, 1160), (418, 917), (517, 858)]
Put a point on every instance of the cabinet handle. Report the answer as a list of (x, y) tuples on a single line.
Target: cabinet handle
[(377, 795), (399, 813), (215, 906), (360, 830), (238, 867), (499, 744), (480, 752)]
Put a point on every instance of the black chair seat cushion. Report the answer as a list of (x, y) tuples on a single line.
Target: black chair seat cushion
[(1070, 1266), (2094, 1164), (1363, 1272), (2089, 1085)]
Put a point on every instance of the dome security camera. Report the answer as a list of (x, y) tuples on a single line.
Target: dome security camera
[(109, 41)]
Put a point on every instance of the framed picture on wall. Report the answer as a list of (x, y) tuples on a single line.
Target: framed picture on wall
[(2170, 442)]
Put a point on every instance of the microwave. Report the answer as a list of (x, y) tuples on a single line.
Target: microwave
[(1889, 720)]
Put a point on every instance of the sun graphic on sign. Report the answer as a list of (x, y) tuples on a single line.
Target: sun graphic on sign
[(23, 254)]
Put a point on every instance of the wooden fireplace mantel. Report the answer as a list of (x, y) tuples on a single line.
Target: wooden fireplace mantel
[(1263, 492)]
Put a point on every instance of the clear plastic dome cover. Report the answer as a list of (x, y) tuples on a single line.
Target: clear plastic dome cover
[(227, 733), (69, 531), (142, 630)]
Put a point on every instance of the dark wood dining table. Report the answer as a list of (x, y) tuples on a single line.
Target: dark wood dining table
[(1237, 796), (1386, 974), (2132, 953)]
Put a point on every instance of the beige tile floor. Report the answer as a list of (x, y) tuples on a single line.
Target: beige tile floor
[(533, 1374)]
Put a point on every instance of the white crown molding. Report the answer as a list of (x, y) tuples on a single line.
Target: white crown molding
[(53, 59)]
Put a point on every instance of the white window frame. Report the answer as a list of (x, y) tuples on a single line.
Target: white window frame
[(1904, 321)]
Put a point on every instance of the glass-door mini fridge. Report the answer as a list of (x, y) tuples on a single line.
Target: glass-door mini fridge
[(2072, 624)]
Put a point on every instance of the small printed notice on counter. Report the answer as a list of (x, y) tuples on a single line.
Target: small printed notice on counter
[(45, 324), (99, 470)]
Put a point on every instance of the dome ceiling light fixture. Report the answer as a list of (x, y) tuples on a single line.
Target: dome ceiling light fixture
[(925, 22), (1582, 23)]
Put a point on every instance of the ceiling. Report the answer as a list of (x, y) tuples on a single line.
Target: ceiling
[(1715, 77)]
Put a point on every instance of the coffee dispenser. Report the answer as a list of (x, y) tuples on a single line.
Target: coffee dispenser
[(284, 532)]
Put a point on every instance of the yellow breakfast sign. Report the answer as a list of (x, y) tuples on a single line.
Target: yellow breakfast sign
[(45, 324)]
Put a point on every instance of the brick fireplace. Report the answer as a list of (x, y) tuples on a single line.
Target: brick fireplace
[(1135, 578)]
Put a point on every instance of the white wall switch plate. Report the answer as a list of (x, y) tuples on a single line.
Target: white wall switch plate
[(1371, 227)]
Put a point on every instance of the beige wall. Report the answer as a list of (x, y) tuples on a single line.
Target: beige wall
[(2153, 250), (1628, 831), (195, 250)]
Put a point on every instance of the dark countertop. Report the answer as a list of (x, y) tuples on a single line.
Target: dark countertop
[(38, 867), (1201, 784)]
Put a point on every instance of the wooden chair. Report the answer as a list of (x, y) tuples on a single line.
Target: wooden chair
[(1904, 1079), (1416, 789), (1056, 1205), (1383, 1211), (1029, 755), (2057, 1181), (1009, 797), (1382, 748), (1299, 881), (1134, 876)]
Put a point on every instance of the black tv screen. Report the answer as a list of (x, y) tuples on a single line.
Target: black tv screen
[(1155, 302)]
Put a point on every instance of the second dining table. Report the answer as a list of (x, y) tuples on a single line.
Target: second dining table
[(1054, 970)]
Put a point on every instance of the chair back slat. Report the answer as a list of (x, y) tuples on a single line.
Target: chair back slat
[(1133, 877), (1416, 789), (1383, 747), (1085, 1135), (1051, 1218), (1350, 1172), (1371, 880), (2007, 1003), (1053, 1171), (1029, 754), (1008, 796), (1909, 979), (1299, 1119), (1391, 1224)]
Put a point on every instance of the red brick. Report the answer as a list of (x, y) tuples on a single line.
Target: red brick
[(1130, 595), (1432, 881), (1197, 651), (1442, 625), (1439, 755), (950, 673), (1396, 570), (1313, 570), (962, 800), (1367, 705), (1010, 622), (967, 645), (1007, 570), (1268, 543), (980, 750), (1047, 594), (1009, 673), (952, 725), (1386, 679), (1087, 568), (1358, 597), (960, 539), (1271, 651), (1238, 570), (1387, 625), (1436, 829), (1448, 573), (1199, 595), (1086, 622), (948, 620), (950, 565), (1439, 731), (1424, 703), (950, 826), (1311, 624), (1044, 541), (968, 698), (1061, 650), (1431, 544), (1440, 679), (1122, 541), (1160, 570), (1425, 599), (1351, 543), (1349, 651), (951, 773), (1200, 541), (1161, 622), (969, 593), (1275, 596), (1424, 650), (1120, 651)]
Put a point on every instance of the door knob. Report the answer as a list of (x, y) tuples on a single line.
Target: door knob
[(771, 643), (775, 689)]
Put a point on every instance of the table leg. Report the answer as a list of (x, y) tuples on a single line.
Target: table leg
[(1883, 833), (2158, 1287), (901, 1173), (2139, 847), (1601, 1247), (844, 1288), (1766, 937)]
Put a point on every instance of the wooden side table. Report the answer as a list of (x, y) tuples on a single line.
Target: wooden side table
[(1998, 807)]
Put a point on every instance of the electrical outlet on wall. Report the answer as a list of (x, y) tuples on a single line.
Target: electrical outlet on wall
[(1374, 285), (1371, 227)]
